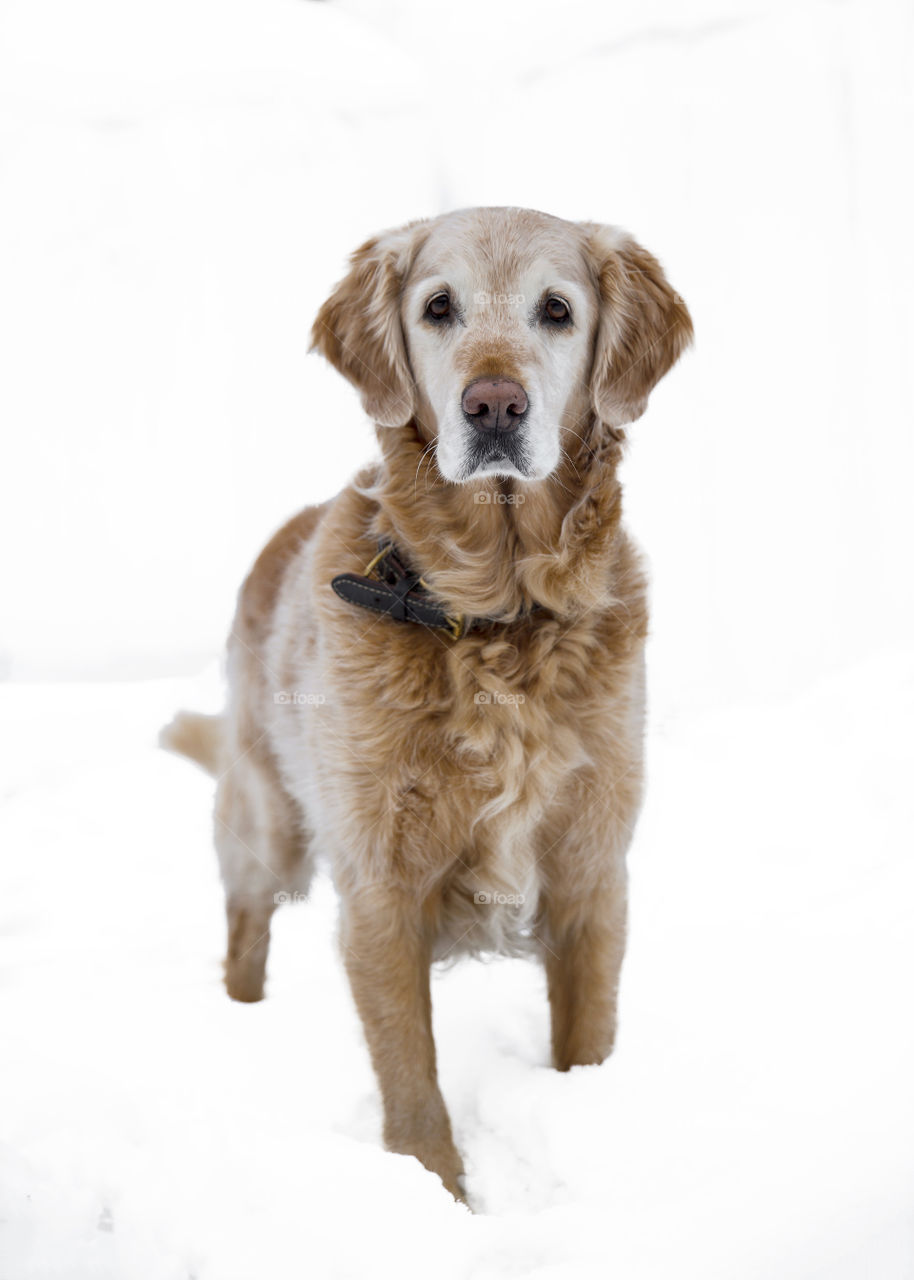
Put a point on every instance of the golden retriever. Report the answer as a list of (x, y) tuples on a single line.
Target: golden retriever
[(436, 678)]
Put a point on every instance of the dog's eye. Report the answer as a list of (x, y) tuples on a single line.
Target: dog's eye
[(556, 311), (439, 307)]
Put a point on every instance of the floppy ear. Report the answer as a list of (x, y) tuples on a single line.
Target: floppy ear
[(358, 328), (643, 329)]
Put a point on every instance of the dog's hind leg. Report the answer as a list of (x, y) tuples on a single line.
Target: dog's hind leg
[(262, 848)]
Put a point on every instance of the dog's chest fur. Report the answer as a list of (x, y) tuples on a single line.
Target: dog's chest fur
[(433, 763)]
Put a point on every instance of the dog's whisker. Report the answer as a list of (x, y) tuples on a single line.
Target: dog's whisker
[(426, 453)]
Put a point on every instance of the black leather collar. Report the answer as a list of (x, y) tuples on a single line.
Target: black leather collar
[(388, 585)]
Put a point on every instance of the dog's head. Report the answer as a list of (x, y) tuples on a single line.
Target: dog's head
[(502, 333)]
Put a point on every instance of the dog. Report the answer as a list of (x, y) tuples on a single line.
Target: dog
[(436, 679)]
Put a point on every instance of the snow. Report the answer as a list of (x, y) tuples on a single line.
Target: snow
[(181, 183)]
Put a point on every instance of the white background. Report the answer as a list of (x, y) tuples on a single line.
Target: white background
[(179, 186)]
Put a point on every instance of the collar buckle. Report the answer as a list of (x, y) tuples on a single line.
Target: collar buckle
[(386, 566)]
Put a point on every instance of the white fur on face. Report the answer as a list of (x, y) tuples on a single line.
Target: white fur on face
[(498, 334)]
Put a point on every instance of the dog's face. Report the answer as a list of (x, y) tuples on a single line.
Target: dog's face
[(499, 315), (502, 333)]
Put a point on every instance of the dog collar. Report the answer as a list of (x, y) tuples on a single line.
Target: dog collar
[(388, 585)]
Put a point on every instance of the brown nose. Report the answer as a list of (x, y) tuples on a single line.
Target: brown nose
[(494, 404)]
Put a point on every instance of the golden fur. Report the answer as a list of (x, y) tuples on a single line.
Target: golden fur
[(474, 794)]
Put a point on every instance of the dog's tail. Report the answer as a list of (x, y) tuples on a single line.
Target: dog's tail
[(196, 736)]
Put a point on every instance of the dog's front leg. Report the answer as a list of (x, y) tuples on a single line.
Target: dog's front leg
[(387, 957), (583, 953)]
